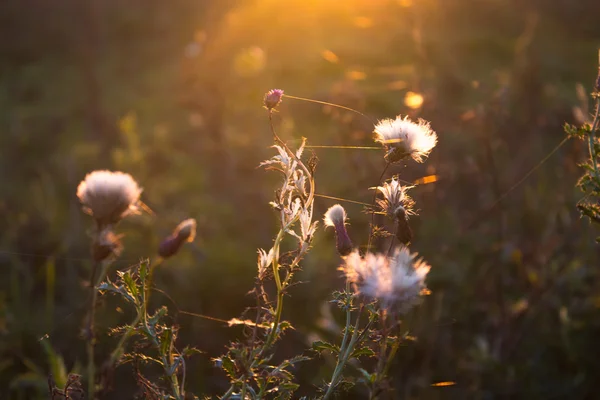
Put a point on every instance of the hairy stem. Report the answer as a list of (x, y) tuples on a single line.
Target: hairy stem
[(344, 355), (372, 226)]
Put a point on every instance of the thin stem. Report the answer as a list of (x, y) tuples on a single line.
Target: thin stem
[(592, 140), (371, 227), (332, 105), (342, 199), (344, 147)]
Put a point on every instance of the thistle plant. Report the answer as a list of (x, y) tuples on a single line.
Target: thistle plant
[(107, 197), (381, 287), (247, 362), (589, 183)]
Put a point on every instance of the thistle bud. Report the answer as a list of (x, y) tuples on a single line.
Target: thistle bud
[(185, 232), (403, 232), (106, 244), (273, 98), (336, 217)]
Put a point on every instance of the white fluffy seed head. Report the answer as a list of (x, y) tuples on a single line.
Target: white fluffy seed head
[(109, 196), (335, 215), (396, 281), (404, 138)]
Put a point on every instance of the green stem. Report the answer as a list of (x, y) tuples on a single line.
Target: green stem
[(344, 356), (166, 361)]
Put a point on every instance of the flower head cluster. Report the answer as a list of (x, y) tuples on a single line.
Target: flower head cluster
[(404, 138), (395, 203), (336, 217), (396, 281), (184, 232), (273, 98), (109, 196)]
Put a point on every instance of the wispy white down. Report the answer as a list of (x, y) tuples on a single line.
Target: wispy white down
[(396, 281), (109, 196), (335, 215), (404, 138)]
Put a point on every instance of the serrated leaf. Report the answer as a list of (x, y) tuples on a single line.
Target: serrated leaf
[(363, 351), (130, 284), (320, 345), (227, 364), (120, 290)]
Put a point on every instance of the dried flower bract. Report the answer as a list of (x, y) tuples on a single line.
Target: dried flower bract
[(395, 203)]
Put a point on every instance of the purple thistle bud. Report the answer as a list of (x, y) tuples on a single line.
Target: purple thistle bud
[(343, 242), (336, 217), (273, 98), (185, 232), (598, 81)]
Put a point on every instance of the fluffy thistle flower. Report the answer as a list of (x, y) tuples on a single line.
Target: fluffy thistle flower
[(404, 138), (336, 217), (109, 196), (396, 281), (185, 232), (273, 98)]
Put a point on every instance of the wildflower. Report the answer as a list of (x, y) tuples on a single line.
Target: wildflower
[(106, 244), (398, 206), (395, 202), (336, 217), (109, 196), (273, 98), (185, 232), (404, 138), (396, 281)]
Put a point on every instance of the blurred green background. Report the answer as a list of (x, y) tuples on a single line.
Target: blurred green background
[(171, 91)]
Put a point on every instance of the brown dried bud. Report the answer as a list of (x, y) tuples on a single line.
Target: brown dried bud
[(185, 232), (106, 244)]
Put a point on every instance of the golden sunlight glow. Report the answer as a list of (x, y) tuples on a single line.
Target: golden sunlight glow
[(363, 22), (249, 62), (426, 179), (413, 100), (330, 56), (442, 384), (355, 75)]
